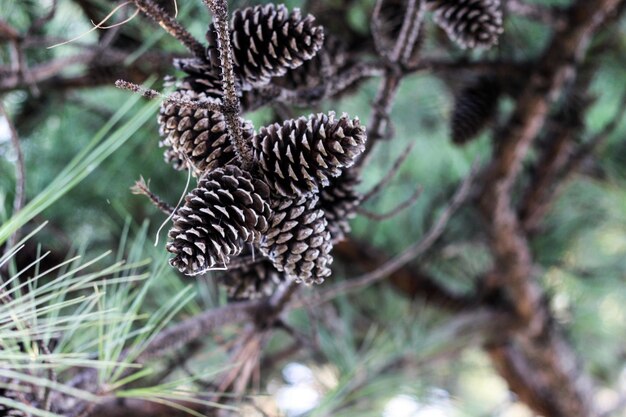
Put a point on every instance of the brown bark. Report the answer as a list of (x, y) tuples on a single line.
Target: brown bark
[(513, 258), (538, 363), (545, 373), (536, 201)]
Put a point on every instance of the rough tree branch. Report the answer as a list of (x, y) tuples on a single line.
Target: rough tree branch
[(539, 350)]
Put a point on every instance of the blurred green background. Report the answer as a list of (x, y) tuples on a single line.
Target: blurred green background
[(581, 251)]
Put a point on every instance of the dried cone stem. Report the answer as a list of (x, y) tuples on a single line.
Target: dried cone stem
[(219, 8)]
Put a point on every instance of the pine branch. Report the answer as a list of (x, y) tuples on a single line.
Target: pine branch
[(171, 26), (409, 254), (196, 327), (409, 279), (142, 188), (231, 107), (376, 189), (541, 350), (378, 127), (562, 129), (152, 94), (587, 149), (127, 407), (514, 260), (394, 211)]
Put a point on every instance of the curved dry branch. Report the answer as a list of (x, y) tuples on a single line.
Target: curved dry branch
[(409, 254)]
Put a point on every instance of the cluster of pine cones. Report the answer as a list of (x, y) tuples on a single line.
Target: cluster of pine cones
[(286, 207)]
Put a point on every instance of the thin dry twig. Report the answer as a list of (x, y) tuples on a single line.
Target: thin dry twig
[(394, 211), (411, 18), (152, 94), (376, 27), (562, 129), (330, 87), (246, 357), (43, 71), (549, 15), (171, 26), (142, 188), (379, 127), (100, 25), (586, 149), (410, 253), (390, 174), (42, 20), (564, 164)]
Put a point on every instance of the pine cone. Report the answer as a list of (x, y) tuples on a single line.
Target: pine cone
[(339, 201), (198, 134), (300, 156), (267, 40), (227, 209), (328, 62), (474, 107), (201, 77), (298, 241), (252, 281), (469, 23)]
